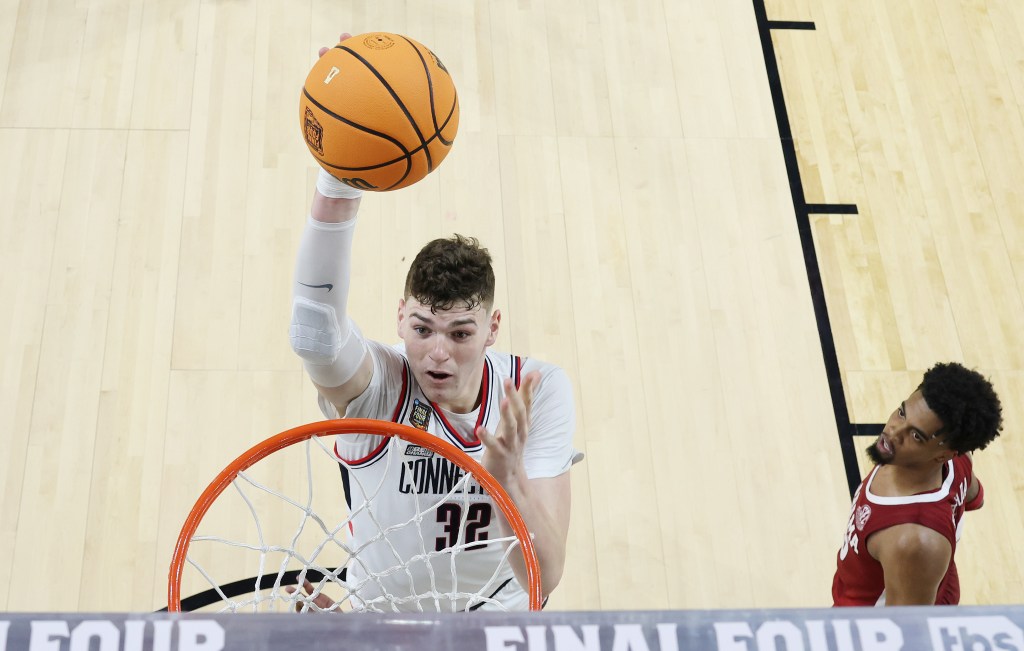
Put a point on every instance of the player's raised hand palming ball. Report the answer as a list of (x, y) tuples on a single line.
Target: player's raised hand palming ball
[(379, 111)]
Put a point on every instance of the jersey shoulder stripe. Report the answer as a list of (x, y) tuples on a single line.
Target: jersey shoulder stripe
[(398, 415), (375, 454), (517, 370)]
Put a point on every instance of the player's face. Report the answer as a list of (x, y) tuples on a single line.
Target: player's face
[(911, 436), (446, 350)]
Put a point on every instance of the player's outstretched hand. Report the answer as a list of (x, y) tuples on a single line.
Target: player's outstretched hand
[(321, 601), (341, 38), (503, 450)]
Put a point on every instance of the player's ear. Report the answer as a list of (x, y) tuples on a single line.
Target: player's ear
[(401, 316), (492, 327)]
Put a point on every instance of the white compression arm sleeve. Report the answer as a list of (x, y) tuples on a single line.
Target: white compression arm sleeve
[(321, 333)]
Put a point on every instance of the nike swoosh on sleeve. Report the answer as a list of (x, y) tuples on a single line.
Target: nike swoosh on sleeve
[(327, 286)]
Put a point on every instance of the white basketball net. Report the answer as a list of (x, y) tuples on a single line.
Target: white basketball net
[(313, 543)]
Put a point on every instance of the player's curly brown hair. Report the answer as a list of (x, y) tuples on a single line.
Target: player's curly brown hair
[(451, 272), (966, 403)]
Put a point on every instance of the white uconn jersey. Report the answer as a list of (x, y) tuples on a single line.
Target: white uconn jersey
[(390, 481)]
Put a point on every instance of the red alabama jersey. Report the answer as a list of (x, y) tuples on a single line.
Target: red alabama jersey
[(859, 580)]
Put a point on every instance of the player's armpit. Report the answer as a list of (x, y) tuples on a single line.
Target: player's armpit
[(914, 559)]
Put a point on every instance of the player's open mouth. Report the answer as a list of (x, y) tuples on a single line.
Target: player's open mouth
[(884, 446), (438, 376)]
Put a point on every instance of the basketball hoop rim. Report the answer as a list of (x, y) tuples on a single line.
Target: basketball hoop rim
[(352, 426)]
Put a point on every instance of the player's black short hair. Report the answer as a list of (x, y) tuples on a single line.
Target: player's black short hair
[(966, 403), (451, 272)]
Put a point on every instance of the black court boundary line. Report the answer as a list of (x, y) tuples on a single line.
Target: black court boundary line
[(804, 210)]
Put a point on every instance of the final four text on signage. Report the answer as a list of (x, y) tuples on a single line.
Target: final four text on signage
[(128, 635)]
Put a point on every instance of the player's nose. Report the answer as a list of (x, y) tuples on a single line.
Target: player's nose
[(439, 349)]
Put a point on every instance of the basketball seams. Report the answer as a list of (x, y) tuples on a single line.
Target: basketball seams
[(407, 156), (395, 97), (430, 88), (430, 82), (447, 120), (412, 152), (355, 125), (408, 153)]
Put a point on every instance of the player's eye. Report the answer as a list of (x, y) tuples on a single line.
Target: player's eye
[(420, 330), (460, 335)]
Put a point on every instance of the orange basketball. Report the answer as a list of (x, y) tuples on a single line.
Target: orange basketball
[(379, 111)]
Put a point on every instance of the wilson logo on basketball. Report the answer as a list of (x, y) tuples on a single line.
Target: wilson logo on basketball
[(314, 133), (358, 184)]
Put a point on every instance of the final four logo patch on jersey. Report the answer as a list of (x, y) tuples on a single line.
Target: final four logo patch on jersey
[(420, 417)]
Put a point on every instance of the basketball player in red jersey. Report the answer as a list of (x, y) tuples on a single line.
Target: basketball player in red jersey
[(904, 523)]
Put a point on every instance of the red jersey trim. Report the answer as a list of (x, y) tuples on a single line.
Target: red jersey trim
[(372, 456), (403, 400)]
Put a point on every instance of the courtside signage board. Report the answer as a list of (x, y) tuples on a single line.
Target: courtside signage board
[(851, 629)]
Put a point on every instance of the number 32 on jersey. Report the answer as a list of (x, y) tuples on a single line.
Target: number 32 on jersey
[(450, 516)]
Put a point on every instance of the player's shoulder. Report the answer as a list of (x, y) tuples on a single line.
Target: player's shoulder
[(515, 366), (386, 354), (910, 543), (501, 359), (553, 393), (389, 369), (963, 462)]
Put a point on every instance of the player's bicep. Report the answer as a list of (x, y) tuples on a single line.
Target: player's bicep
[(914, 559), (555, 496), (549, 451)]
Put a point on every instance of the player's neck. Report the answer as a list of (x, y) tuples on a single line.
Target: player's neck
[(902, 481), (471, 399)]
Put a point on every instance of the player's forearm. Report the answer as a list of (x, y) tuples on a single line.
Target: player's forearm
[(321, 333), (549, 537), (911, 597)]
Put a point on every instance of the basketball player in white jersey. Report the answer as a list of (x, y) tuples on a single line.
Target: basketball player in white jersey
[(514, 415)]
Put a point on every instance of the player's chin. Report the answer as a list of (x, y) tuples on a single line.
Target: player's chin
[(438, 389), (876, 455), (433, 395)]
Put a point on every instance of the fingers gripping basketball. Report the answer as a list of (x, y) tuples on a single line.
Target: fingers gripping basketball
[(379, 111)]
